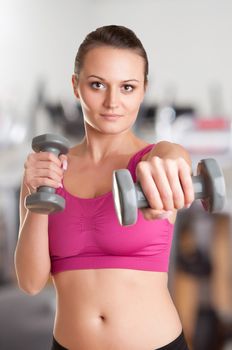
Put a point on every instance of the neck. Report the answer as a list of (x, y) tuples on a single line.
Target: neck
[(98, 146)]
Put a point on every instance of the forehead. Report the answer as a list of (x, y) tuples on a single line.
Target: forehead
[(108, 61)]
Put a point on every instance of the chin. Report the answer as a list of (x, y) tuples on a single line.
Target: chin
[(113, 130), (110, 128)]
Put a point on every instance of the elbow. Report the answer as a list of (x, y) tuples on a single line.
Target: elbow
[(31, 286), (29, 289), (30, 281)]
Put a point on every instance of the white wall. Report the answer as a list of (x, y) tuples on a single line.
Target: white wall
[(188, 44)]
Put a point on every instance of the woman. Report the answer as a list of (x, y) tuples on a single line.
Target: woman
[(111, 281)]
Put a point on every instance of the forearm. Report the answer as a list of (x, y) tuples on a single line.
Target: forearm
[(32, 261)]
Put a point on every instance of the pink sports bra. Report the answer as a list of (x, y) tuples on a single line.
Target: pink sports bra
[(87, 235)]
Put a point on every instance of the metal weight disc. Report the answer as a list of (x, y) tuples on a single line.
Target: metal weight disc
[(50, 141), (125, 199), (45, 203), (214, 183)]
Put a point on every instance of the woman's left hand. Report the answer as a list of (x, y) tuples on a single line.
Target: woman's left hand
[(165, 177)]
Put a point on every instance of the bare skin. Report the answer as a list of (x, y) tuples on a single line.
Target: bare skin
[(103, 309), (114, 309)]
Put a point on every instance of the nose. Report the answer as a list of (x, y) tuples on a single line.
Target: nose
[(111, 98)]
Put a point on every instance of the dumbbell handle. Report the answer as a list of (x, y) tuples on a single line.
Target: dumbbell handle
[(198, 186), (49, 189)]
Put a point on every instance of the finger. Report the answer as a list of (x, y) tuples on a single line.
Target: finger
[(158, 168), (51, 167), (35, 182), (172, 174), (44, 156), (186, 183), (43, 160), (45, 173), (148, 185)]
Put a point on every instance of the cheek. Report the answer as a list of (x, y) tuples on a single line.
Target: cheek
[(90, 101), (133, 103)]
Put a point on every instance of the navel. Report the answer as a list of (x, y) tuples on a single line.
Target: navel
[(102, 318)]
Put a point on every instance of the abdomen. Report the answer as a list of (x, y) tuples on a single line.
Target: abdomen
[(114, 309)]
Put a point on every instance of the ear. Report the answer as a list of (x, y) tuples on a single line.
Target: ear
[(75, 85)]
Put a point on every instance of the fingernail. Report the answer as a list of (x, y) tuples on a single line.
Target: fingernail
[(188, 206), (60, 185), (65, 164)]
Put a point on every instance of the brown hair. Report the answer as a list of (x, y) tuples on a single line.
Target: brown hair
[(111, 35)]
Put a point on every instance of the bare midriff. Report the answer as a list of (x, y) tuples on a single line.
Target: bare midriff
[(114, 309)]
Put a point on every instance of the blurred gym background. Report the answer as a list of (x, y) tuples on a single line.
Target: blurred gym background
[(189, 101)]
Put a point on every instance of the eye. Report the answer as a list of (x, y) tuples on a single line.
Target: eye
[(128, 88), (97, 85)]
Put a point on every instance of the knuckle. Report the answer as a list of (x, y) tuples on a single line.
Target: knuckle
[(142, 164), (155, 161), (141, 167), (50, 156), (170, 165)]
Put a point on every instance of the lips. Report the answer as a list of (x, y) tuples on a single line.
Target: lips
[(111, 115)]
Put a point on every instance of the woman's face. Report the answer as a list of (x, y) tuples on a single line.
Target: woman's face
[(111, 88)]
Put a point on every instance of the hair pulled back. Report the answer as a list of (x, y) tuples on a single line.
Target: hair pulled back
[(111, 35)]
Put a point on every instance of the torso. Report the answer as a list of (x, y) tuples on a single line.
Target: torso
[(111, 309)]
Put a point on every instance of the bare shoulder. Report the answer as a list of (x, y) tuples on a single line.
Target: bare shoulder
[(75, 150)]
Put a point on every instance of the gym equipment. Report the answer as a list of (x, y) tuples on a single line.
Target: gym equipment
[(209, 186), (45, 200)]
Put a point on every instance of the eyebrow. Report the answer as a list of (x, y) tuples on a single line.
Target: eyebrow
[(124, 81)]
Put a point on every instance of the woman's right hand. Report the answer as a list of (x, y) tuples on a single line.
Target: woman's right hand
[(44, 169)]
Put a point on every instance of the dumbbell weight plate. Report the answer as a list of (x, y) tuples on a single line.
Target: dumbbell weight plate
[(214, 183), (45, 203), (48, 142), (125, 199)]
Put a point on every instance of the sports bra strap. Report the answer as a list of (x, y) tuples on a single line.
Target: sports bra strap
[(135, 159)]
